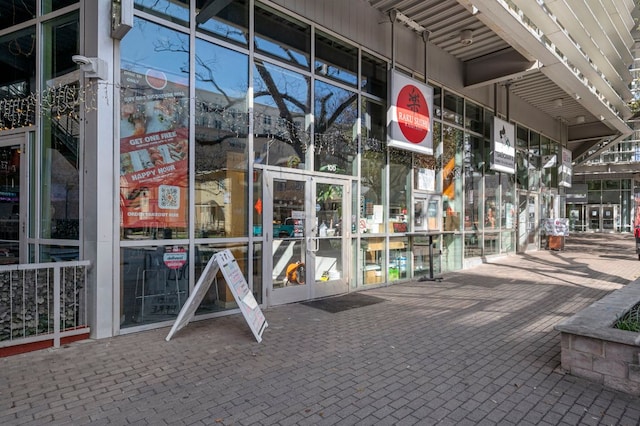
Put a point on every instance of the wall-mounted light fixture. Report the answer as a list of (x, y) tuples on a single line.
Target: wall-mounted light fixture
[(121, 18), (396, 15), (91, 67)]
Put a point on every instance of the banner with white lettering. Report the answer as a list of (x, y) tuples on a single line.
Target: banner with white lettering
[(503, 151), (409, 118)]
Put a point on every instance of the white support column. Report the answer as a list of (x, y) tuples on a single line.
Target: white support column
[(99, 176)]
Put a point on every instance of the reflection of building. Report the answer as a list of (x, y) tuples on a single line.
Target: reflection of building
[(209, 128)]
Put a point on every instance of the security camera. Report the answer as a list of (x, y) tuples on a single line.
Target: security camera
[(81, 60), (91, 67)]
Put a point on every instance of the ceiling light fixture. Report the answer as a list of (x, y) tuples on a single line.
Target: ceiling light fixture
[(466, 37), (580, 119)]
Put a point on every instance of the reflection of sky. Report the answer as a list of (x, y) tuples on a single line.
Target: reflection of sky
[(167, 7), (148, 45), (229, 69)]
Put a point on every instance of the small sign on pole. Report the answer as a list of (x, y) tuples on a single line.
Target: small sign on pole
[(225, 262)]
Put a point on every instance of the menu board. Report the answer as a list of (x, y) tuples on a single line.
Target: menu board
[(225, 262)]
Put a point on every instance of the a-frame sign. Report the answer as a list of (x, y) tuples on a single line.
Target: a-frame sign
[(225, 262)]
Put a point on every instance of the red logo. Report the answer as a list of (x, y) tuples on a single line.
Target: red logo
[(412, 113)]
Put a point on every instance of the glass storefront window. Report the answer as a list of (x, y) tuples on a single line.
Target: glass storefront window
[(452, 177), (281, 116), (335, 142), (51, 5), (373, 259), (221, 150), (399, 190), (282, 37), (473, 158), (18, 78), (173, 10), (473, 117), (59, 169), (535, 162), (154, 133), (453, 108), (508, 214), (229, 22), (373, 167), (399, 258), (437, 102), (219, 296), (424, 172), (490, 218), (336, 59), (374, 75), (154, 283), (21, 11)]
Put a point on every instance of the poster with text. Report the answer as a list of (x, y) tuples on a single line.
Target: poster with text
[(154, 142)]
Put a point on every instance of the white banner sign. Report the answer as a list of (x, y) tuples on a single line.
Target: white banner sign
[(503, 151)]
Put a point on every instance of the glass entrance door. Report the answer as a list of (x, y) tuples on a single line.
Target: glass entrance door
[(12, 198), (527, 222), (306, 245)]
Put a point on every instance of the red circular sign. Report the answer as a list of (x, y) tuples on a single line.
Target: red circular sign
[(412, 113), (176, 258)]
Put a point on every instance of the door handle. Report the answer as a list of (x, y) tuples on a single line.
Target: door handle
[(313, 244)]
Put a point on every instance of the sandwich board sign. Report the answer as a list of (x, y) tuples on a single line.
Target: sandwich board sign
[(225, 262)]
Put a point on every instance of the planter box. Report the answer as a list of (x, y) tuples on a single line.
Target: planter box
[(591, 348)]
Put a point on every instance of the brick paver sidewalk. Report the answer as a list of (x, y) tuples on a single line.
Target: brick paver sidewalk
[(476, 348)]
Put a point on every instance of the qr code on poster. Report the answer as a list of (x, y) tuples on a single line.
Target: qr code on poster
[(169, 197)]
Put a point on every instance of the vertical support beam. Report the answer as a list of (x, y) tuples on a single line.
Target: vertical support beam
[(56, 306), (98, 135)]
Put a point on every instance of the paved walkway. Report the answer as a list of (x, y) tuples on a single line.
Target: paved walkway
[(476, 348)]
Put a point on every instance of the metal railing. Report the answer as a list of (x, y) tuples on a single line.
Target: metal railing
[(43, 301)]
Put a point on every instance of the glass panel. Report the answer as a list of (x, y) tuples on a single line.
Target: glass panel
[(473, 182), (424, 168), (154, 283), (400, 171), (288, 232), (336, 114), (51, 5), (173, 10), (374, 263), (257, 203), (18, 78), (373, 166), (54, 253), (473, 117), (10, 187), (452, 177), (154, 133), (281, 110), (219, 297), (437, 101), (225, 19), (535, 162), (335, 59), (59, 172), (282, 37), (399, 255), (491, 197), (453, 108), (329, 210), (21, 11), (374, 75), (221, 155), (508, 210)]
